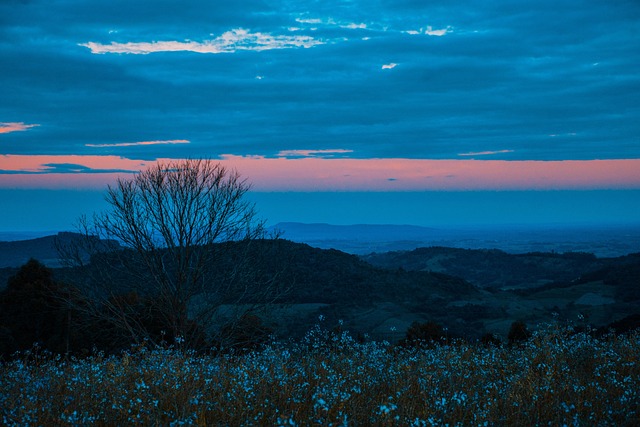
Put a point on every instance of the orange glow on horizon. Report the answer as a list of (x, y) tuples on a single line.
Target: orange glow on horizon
[(321, 174)]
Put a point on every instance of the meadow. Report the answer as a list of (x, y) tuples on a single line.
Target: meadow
[(558, 377)]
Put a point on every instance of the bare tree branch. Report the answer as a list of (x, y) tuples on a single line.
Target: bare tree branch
[(188, 247)]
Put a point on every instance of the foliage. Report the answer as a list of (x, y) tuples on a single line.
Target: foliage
[(34, 309), (490, 339), (424, 334), (518, 332), (558, 377)]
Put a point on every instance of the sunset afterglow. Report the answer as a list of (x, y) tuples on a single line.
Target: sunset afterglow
[(325, 97), (321, 174)]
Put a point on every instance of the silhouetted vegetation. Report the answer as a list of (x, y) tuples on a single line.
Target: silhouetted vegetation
[(34, 310), (626, 325), (518, 332), (424, 335), (185, 232), (490, 340)]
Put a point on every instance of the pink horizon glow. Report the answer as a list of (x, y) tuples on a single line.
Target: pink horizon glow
[(322, 174)]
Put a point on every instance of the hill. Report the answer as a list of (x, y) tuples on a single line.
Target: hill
[(471, 292), (493, 268), (339, 287), (534, 287), (368, 299), (15, 253)]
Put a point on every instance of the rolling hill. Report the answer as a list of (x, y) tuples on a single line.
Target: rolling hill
[(471, 292)]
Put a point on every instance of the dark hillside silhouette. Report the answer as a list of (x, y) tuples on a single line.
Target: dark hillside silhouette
[(493, 268), (382, 303)]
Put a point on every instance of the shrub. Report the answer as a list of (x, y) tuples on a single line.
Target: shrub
[(33, 310), (424, 334), (518, 332), (490, 340)]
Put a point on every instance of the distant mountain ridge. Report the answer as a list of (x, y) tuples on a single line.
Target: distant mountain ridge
[(362, 239), (12, 236), (16, 253), (297, 230)]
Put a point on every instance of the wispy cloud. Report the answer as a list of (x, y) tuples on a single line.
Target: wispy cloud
[(485, 153), (313, 153), (73, 168), (430, 31), (130, 144), (8, 127), (311, 21), (228, 42), (439, 33), (42, 164), (389, 66), (354, 26), (332, 22)]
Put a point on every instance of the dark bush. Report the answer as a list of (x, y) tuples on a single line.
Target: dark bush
[(490, 340), (518, 332), (625, 325), (247, 333), (424, 334), (34, 309)]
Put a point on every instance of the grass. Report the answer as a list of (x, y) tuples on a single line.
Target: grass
[(557, 378)]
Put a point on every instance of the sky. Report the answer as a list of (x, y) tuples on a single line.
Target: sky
[(337, 111)]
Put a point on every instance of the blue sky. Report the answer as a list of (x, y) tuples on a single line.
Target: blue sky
[(389, 90)]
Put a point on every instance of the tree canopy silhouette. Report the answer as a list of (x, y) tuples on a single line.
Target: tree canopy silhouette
[(34, 311)]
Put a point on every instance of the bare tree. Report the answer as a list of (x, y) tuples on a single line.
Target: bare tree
[(189, 250)]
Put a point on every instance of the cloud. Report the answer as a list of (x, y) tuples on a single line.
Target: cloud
[(228, 42), (309, 20), (390, 66), (77, 164), (439, 33), (430, 31), (332, 22), (130, 144), (499, 76), (354, 26), (54, 168), (485, 153), (312, 153), (8, 127)]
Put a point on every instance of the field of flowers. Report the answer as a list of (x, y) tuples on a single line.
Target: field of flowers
[(556, 378)]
